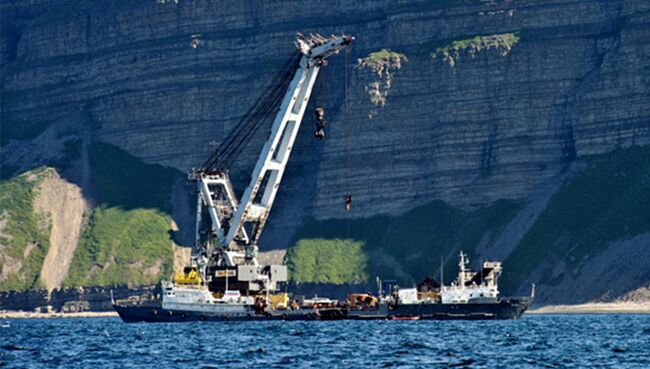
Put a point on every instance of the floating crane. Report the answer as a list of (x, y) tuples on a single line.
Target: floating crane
[(225, 281), (225, 250)]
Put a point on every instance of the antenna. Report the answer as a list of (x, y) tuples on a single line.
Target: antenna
[(379, 291), (442, 274)]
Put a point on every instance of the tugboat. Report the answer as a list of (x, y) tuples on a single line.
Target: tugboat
[(473, 295)]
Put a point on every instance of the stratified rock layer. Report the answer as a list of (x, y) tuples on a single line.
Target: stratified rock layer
[(163, 80)]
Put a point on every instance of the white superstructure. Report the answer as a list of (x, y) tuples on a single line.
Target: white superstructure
[(200, 299), (468, 289)]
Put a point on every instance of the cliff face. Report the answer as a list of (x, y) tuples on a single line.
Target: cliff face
[(489, 100)]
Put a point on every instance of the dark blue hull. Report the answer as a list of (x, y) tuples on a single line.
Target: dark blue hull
[(156, 314), (505, 309)]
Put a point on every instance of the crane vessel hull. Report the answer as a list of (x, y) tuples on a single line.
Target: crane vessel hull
[(505, 309)]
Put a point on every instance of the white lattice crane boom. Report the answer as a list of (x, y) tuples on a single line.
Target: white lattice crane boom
[(237, 225)]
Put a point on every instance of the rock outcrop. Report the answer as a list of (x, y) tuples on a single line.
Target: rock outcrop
[(63, 205)]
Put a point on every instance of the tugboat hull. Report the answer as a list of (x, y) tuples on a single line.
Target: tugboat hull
[(505, 309)]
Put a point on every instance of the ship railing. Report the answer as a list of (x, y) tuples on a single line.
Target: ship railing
[(136, 300)]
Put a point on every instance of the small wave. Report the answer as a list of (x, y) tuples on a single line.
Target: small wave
[(539, 342), (463, 362), (390, 364), (14, 348), (256, 351), (414, 345), (287, 360)]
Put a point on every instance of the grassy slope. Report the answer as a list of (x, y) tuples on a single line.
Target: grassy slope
[(126, 240), (119, 246), (408, 246), (328, 260), (609, 201), (130, 230), (23, 227)]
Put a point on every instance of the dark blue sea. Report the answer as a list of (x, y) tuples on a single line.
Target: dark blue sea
[(535, 341)]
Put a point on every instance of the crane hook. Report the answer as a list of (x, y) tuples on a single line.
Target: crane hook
[(348, 201), (321, 123)]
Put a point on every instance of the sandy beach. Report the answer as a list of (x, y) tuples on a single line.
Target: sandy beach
[(28, 314), (595, 308)]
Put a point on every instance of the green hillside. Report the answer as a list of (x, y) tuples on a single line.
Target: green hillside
[(122, 247), (24, 235), (127, 239)]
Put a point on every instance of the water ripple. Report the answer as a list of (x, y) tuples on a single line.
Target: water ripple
[(549, 341)]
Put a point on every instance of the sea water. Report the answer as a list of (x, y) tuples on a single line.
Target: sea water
[(535, 341)]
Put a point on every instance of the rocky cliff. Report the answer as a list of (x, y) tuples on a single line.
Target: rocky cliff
[(476, 115)]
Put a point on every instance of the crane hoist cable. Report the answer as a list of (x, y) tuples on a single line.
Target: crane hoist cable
[(259, 112), (258, 117), (347, 141), (260, 108), (230, 152), (250, 123)]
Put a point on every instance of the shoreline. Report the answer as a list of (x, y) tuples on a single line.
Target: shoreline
[(595, 308), (7, 314)]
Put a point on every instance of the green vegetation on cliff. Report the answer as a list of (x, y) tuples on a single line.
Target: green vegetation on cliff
[(127, 240), (505, 40), (451, 52), (408, 246), (383, 61), (328, 260), (123, 247), (609, 201), (383, 56), (24, 235)]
